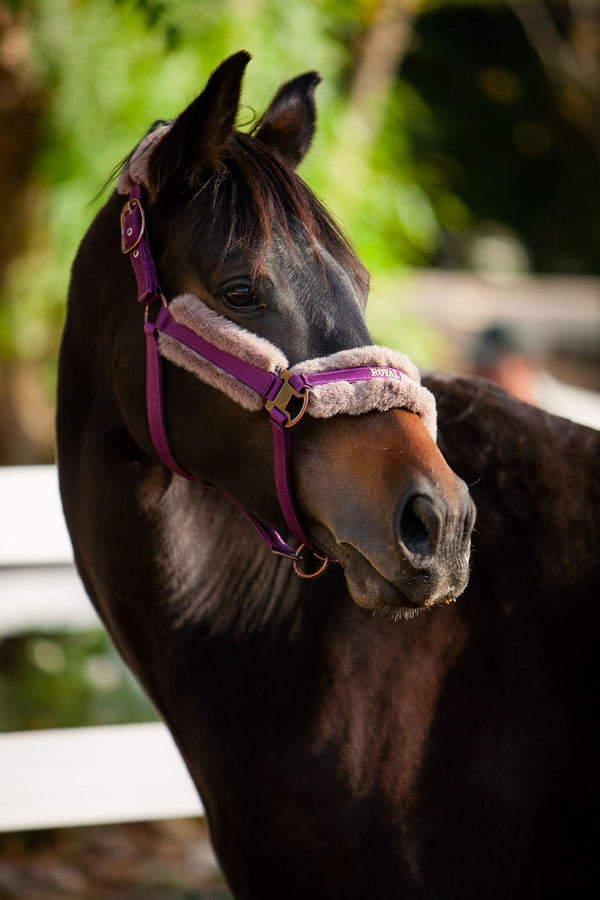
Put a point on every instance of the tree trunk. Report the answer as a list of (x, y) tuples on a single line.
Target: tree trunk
[(22, 412)]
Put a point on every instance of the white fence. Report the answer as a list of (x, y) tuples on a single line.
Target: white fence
[(74, 776)]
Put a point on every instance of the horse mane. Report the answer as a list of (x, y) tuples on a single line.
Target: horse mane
[(253, 189)]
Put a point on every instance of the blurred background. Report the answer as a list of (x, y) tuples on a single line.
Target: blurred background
[(459, 146)]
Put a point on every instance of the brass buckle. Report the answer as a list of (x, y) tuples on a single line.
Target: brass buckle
[(127, 209), (285, 394)]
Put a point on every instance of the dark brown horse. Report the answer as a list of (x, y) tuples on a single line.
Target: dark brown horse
[(416, 753)]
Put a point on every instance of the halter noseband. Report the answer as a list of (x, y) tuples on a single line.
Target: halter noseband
[(284, 394)]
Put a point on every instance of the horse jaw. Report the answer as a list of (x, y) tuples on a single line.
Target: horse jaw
[(401, 591), (401, 526)]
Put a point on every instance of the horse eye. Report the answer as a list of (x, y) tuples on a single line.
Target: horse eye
[(240, 296)]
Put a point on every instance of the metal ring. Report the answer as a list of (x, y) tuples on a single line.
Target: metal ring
[(319, 571)]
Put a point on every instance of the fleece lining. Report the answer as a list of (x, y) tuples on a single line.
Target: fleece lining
[(384, 391)]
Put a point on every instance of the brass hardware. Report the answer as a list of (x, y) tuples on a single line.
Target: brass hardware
[(285, 394), (127, 209), (162, 299), (318, 571)]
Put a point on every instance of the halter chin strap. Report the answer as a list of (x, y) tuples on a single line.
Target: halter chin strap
[(285, 394)]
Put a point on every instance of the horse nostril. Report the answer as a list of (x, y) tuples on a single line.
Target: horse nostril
[(420, 526)]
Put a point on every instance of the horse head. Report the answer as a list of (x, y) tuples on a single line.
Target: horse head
[(249, 253)]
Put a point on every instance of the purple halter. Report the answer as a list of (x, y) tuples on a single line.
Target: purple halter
[(286, 394)]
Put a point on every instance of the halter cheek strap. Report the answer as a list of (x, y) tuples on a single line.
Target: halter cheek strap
[(277, 391), (256, 375), (134, 243)]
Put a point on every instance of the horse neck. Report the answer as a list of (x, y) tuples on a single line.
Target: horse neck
[(535, 479), (214, 566), (199, 568), (165, 561)]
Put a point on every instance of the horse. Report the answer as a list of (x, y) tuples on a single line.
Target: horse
[(373, 697)]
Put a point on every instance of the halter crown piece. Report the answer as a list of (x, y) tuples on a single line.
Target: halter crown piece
[(253, 371)]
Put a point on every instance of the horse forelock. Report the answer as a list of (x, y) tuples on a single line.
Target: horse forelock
[(245, 196), (259, 198), (259, 195)]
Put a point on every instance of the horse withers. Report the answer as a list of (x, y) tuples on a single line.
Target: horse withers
[(216, 373)]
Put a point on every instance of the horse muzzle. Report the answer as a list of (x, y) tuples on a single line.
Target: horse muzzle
[(429, 564), (402, 530)]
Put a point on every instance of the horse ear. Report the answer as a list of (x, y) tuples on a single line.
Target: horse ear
[(288, 125), (199, 136)]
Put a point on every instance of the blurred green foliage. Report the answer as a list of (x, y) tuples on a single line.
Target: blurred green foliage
[(111, 67), (62, 680)]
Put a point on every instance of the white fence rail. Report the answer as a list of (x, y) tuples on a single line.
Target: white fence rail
[(73, 776)]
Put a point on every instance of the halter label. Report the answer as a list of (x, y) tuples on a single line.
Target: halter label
[(383, 372)]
